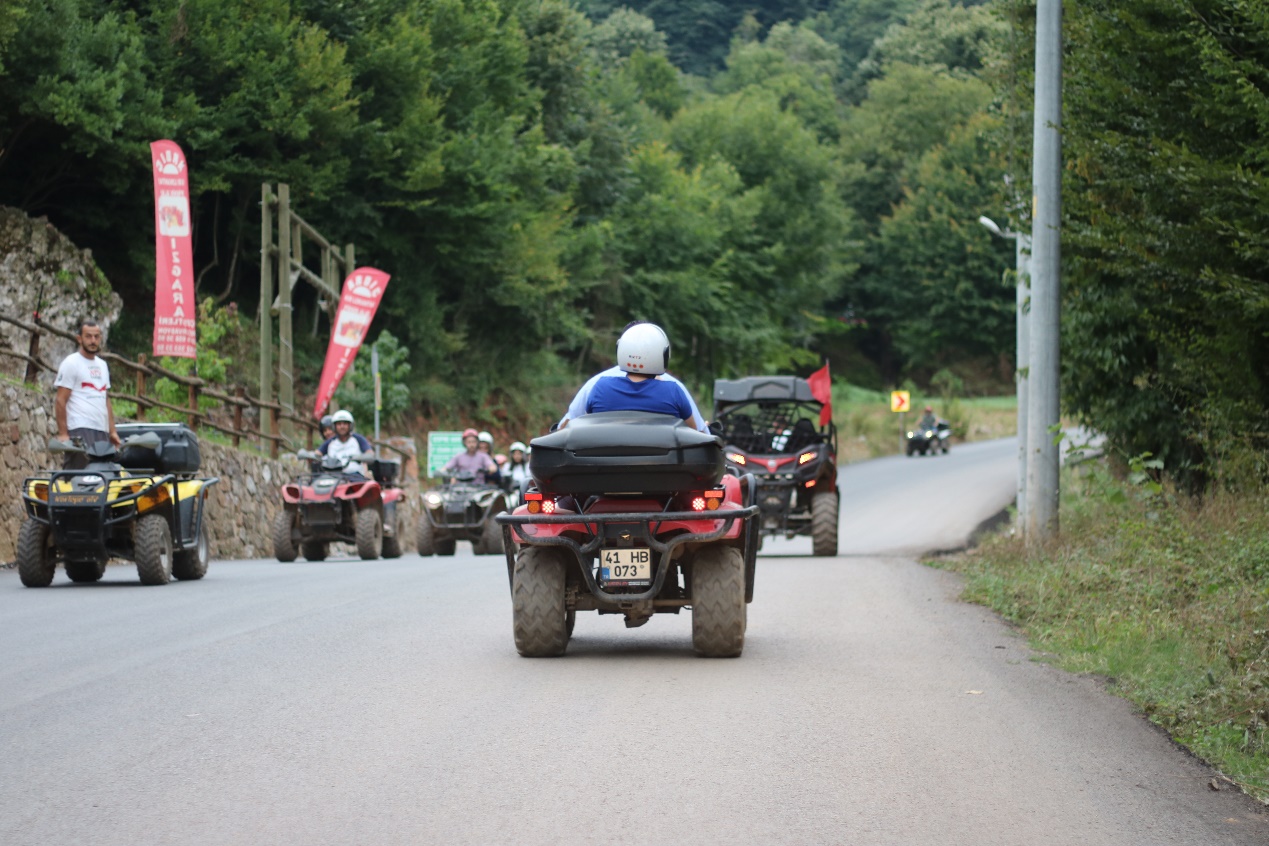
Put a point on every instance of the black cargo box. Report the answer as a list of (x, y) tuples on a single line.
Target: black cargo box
[(178, 452), (626, 452), (385, 470)]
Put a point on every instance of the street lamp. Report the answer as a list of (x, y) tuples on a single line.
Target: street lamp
[(1022, 356)]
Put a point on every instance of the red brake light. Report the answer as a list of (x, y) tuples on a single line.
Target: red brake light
[(548, 506), (698, 504), (532, 495)]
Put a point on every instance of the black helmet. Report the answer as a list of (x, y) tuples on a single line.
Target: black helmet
[(327, 422)]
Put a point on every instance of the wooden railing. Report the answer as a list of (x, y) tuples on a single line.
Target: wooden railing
[(234, 403)]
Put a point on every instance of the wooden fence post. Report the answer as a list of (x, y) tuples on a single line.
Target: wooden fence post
[(33, 350), (275, 425), (239, 393), (193, 407), (141, 388)]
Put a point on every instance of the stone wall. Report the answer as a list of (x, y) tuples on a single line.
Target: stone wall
[(42, 269), (241, 508)]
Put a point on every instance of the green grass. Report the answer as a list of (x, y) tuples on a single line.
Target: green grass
[(1167, 598)]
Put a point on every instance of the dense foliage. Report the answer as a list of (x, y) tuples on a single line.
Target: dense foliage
[(533, 176)]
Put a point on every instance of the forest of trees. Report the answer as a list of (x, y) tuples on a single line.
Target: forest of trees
[(775, 182)]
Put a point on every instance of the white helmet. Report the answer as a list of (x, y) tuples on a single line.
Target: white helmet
[(518, 445), (342, 417), (485, 437), (644, 349)]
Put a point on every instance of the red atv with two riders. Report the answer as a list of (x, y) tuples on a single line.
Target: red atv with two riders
[(631, 513), (329, 504)]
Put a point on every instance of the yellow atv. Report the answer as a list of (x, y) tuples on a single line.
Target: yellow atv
[(141, 502)]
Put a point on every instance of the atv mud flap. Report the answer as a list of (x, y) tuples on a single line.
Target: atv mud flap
[(639, 524)]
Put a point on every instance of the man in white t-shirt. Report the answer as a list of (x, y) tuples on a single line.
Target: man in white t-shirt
[(82, 407), (346, 444)]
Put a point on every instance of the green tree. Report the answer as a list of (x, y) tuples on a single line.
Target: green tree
[(357, 390)]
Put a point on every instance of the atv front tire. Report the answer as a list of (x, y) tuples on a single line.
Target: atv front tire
[(718, 602), (490, 538), (37, 561), (426, 536), (152, 544), (369, 534), (824, 524), (539, 618), (283, 546)]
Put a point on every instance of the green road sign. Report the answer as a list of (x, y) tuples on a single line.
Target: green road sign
[(441, 447)]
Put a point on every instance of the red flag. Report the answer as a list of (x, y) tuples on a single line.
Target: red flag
[(822, 390), (174, 306), (363, 289)]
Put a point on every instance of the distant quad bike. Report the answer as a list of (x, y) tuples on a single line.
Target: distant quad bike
[(327, 504), (929, 441), (463, 509), (142, 502), (769, 426), (631, 513)]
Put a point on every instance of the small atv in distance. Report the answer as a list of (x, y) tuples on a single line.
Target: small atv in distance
[(142, 502), (462, 509), (768, 424), (931, 441), (631, 513), (327, 504)]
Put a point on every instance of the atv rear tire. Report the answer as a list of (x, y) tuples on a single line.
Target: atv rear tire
[(718, 602), (85, 572), (190, 565), (152, 544), (425, 538), (314, 550), (447, 546), (540, 621), (824, 524), (369, 534), (37, 561), (392, 545), (283, 546)]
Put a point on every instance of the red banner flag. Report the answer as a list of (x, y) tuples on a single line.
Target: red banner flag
[(822, 390), (363, 289), (174, 306)]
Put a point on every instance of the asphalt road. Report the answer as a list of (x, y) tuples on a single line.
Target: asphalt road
[(383, 703)]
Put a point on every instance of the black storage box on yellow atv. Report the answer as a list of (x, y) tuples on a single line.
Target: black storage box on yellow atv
[(177, 453), (626, 452)]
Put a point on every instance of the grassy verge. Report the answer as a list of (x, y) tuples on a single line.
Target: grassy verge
[(1167, 598)]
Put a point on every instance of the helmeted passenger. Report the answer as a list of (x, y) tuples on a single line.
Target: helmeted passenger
[(346, 443), (643, 354)]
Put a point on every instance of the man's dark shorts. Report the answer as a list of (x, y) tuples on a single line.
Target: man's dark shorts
[(87, 438)]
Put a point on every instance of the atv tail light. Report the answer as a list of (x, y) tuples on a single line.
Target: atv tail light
[(713, 499), (806, 456), (533, 501), (737, 458), (698, 503), (548, 506)]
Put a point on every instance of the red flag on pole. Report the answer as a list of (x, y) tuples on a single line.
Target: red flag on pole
[(363, 289), (174, 306), (822, 390)]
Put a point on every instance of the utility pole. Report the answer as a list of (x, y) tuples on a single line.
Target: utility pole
[(1044, 410), (1022, 350)]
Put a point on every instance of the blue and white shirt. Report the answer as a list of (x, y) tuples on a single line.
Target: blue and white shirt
[(355, 445), (581, 402)]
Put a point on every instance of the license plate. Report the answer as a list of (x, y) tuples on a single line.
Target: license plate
[(625, 566)]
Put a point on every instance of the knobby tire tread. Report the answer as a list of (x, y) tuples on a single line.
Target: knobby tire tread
[(369, 534), (283, 546), (537, 599), (718, 602), (152, 544), (824, 519), (36, 564)]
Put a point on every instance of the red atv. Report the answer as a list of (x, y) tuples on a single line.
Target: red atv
[(630, 513), (328, 504)]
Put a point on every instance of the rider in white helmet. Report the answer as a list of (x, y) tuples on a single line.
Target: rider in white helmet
[(639, 381), (346, 443), (516, 470)]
